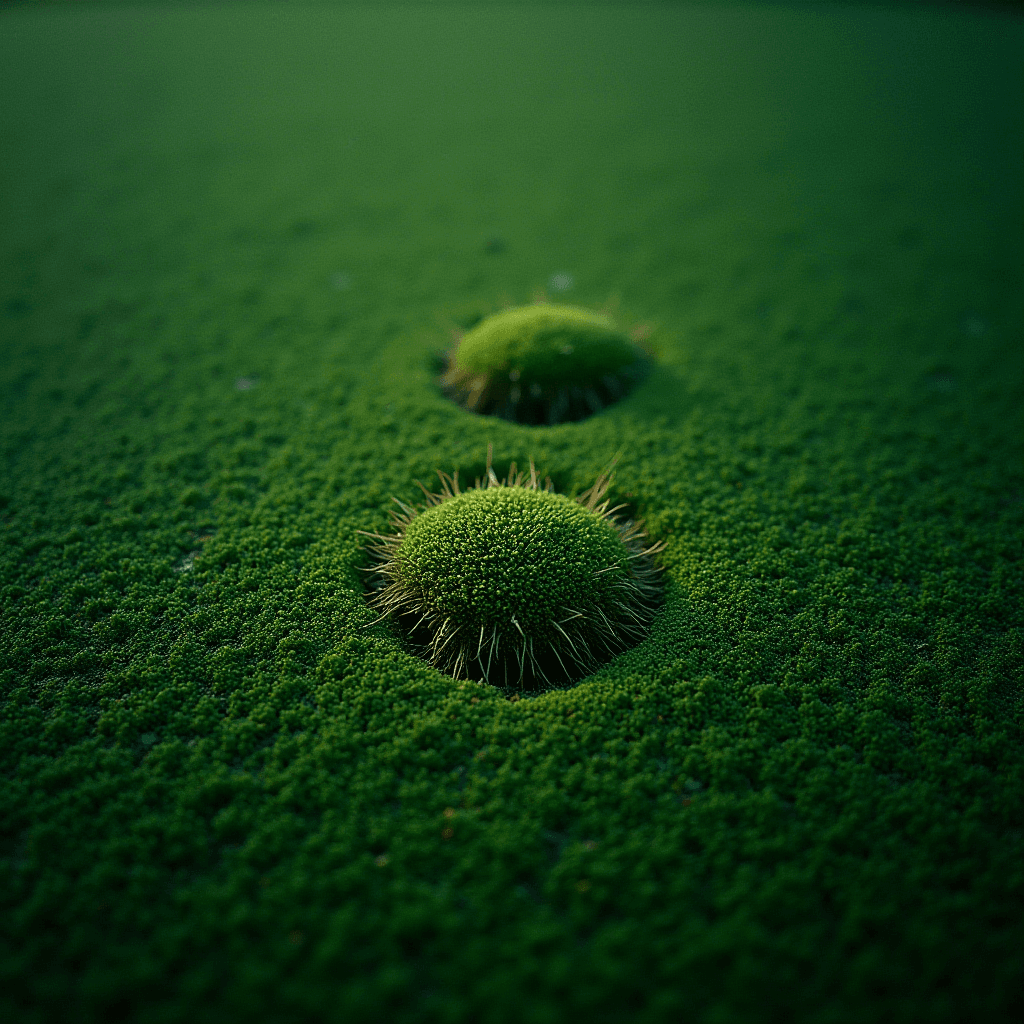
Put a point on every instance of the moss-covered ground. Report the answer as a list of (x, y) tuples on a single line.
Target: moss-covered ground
[(232, 240)]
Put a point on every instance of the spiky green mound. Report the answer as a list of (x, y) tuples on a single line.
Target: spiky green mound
[(542, 364), (508, 582), (511, 555)]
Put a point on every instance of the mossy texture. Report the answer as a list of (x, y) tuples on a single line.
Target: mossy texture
[(231, 240), (546, 344), (542, 364), (510, 551)]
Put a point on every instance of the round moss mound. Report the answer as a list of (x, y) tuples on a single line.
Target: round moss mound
[(512, 583), (542, 364)]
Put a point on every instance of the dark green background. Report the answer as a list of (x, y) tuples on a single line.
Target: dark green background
[(231, 241)]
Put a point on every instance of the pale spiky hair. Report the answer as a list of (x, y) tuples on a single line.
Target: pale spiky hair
[(579, 642)]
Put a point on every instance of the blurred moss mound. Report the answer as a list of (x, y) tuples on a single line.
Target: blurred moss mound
[(542, 364)]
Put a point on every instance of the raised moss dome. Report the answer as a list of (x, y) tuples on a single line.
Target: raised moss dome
[(513, 583), (543, 363)]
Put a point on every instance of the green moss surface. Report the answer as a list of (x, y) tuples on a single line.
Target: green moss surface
[(229, 241)]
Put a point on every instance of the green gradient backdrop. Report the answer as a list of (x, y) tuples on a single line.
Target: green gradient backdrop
[(232, 238)]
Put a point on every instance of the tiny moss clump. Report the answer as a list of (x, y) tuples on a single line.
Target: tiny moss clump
[(542, 364), (510, 582)]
